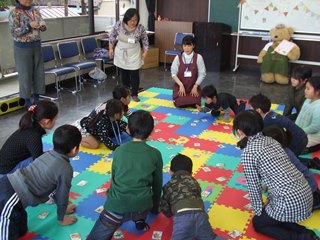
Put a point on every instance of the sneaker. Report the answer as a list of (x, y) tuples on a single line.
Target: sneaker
[(141, 225), (135, 98)]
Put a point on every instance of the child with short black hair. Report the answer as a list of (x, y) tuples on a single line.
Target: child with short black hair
[(309, 116), (136, 181), (122, 93), (25, 144), (217, 102), (30, 186), (262, 105), (182, 199), (299, 76), (103, 123), (284, 137)]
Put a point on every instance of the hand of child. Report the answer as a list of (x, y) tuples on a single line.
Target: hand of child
[(182, 91), (71, 208), (68, 220), (199, 108)]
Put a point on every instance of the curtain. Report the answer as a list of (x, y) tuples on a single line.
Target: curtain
[(151, 6)]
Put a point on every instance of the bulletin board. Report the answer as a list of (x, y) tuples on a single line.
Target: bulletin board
[(262, 15)]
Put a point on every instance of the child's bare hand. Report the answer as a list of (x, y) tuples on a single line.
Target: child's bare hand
[(71, 208), (68, 220), (182, 91), (199, 107)]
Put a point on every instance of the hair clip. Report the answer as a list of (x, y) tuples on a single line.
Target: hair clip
[(32, 108)]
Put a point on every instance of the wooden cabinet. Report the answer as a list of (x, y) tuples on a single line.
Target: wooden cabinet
[(213, 42)]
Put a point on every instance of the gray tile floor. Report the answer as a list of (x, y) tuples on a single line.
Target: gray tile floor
[(243, 84)]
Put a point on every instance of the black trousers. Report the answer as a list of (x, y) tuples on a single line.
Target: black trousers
[(131, 79), (280, 230)]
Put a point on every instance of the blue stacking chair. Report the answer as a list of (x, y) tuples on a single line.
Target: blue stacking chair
[(177, 46), (57, 72), (70, 56), (89, 44)]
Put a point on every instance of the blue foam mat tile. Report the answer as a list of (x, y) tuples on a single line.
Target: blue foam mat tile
[(87, 207), (193, 127), (164, 96), (83, 160), (229, 149)]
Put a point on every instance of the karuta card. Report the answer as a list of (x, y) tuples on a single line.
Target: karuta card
[(101, 190), (248, 207), (205, 194), (220, 164), (118, 235), (82, 183), (99, 209), (221, 179), (156, 235), (206, 169), (75, 174), (43, 215), (234, 233), (75, 236), (247, 196)]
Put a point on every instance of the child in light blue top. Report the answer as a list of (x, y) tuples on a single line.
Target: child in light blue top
[(309, 116)]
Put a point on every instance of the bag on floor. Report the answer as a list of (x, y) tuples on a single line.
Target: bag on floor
[(98, 74)]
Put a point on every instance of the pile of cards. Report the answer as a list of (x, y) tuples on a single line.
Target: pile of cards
[(156, 235)]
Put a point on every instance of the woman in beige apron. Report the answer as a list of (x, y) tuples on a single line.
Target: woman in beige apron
[(125, 48)]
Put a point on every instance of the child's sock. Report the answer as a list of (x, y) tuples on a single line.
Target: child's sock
[(141, 225)]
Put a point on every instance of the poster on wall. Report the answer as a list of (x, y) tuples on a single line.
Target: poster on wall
[(262, 15)]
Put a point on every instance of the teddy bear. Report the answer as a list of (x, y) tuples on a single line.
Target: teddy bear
[(275, 66)]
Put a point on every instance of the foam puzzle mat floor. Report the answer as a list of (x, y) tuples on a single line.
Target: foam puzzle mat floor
[(216, 165)]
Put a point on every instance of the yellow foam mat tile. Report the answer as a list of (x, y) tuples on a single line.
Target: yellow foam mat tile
[(103, 166), (102, 150), (219, 137), (220, 120), (199, 157), (160, 102), (313, 222), (133, 104), (232, 218), (274, 106), (148, 94)]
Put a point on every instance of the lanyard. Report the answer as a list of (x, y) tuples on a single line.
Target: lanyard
[(118, 138), (187, 64), (28, 15)]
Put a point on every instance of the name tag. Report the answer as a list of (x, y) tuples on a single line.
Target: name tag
[(131, 40), (187, 74)]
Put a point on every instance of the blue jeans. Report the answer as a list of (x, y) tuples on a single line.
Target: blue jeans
[(108, 222), (192, 224)]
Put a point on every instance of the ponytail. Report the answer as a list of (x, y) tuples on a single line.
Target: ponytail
[(43, 110)]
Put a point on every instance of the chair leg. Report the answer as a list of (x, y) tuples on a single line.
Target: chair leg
[(165, 62)]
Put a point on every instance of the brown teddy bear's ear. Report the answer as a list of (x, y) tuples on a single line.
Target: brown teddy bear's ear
[(290, 30)]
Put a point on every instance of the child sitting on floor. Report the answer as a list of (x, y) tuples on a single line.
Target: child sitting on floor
[(122, 93), (30, 186), (182, 199), (299, 77), (103, 123), (25, 144), (284, 137), (309, 116), (136, 181), (216, 103), (262, 105)]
